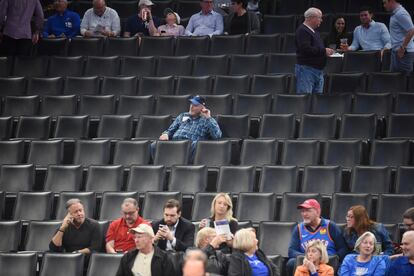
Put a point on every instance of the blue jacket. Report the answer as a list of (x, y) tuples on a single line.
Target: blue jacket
[(68, 24), (381, 234), (377, 266)]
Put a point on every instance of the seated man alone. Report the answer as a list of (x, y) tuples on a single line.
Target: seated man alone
[(64, 23)]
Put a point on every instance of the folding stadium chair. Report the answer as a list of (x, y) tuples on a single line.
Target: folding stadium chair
[(403, 180), (156, 86), (273, 24), (157, 46), (280, 126), (194, 85), (88, 152), (101, 66), (101, 263), (231, 84), (274, 237), (96, 106), (273, 84), (104, 178), (281, 63), (45, 86), (399, 126), (66, 66), (322, 179), (6, 124), (15, 178), (154, 203), (119, 86), (210, 65), (21, 106), (380, 104), (33, 206), (194, 45), (75, 127), (39, 235), (300, 153), (386, 83), (81, 85), (234, 126), (13, 86), (318, 126), (171, 105), (18, 264), (247, 64), (258, 152), (52, 262), (253, 105), (128, 153), (227, 44), (170, 153), (372, 179), (91, 46), (358, 126), (346, 83), (404, 103), (179, 66), (332, 104), (61, 178), (256, 207), (30, 66), (341, 202), (220, 104), (146, 178), (135, 105), (291, 104), (121, 46), (115, 127), (138, 66), (12, 152), (390, 153), (188, 179), (201, 206), (10, 232), (44, 153), (111, 203), (31, 127), (213, 153), (263, 43), (345, 153), (279, 179), (236, 179), (399, 204), (152, 126)]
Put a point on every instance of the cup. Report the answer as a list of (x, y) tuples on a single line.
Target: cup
[(344, 41)]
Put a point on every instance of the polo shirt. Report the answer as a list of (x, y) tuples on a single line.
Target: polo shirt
[(400, 24), (401, 267)]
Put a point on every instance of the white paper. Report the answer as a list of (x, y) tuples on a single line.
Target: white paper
[(223, 228)]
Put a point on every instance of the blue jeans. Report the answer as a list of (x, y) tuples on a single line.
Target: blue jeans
[(308, 79), (404, 64)]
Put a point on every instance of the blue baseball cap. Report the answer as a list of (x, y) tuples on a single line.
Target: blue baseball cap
[(197, 100)]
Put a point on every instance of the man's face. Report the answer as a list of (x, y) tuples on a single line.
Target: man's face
[(365, 17), (171, 216), (407, 244), (193, 268), (195, 109), (408, 223), (142, 240), (309, 215), (207, 5), (60, 6), (130, 213), (387, 5), (316, 20), (78, 213), (99, 8)]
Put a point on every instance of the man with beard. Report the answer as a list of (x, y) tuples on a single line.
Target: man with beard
[(119, 239), (77, 233), (314, 227), (404, 265)]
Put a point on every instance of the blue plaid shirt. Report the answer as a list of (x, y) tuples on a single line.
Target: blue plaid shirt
[(185, 127)]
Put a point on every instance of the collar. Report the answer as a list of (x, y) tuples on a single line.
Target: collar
[(201, 13), (137, 222), (322, 223), (372, 23), (175, 225), (310, 28)]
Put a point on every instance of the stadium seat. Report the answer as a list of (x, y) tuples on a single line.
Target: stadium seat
[(290, 202), (332, 104), (11, 152), (102, 66), (4, 66), (121, 46), (111, 204), (179, 66), (213, 153), (45, 86), (380, 104), (72, 264), (119, 86), (153, 206), (373, 179), (104, 178), (128, 153), (170, 153), (30, 66), (399, 126), (138, 66), (33, 206), (6, 127), (39, 234), (281, 64), (156, 86), (10, 232), (44, 153), (152, 126), (258, 152), (31, 127), (15, 178), (75, 127), (81, 85), (291, 104), (16, 264), (146, 178), (358, 126), (355, 5), (273, 24), (91, 46), (13, 86), (219, 104), (280, 126), (187, 8), (253, 105), (404, 103), (66, 66), (318, 126), (263, 43), (341, 202), (157, 46), (399, 204), (61, 178), (135, 105), (102, 263), (390, 153), (236, 179), (194, 85), (227, 44), (234, 126), (345, 153), (256, 207), (88, 152), (278, 179), (58, 105), (231, 84), (115, 127), (247, 64), (210, 65), (172, 105), (362, 61), (21, 106), (273, 84), (322, 179), (97, 105), (201, 206), (274, 237), (2, 204), (346, 83), (333, 64), (194, 45), (386, 83), (403, 180), (300, 153), (289, 45), (188, 179)]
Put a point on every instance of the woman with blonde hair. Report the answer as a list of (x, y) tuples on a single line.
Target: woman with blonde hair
[(222, 210), (315, 262)]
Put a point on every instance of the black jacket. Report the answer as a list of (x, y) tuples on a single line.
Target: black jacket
[(239, 265), (253, 23), (160, 265), (184, 234), (218, 262)]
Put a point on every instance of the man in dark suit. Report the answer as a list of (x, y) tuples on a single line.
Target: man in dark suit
[(174, 233)]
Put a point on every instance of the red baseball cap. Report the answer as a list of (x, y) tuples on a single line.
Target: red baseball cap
[(309, 204)]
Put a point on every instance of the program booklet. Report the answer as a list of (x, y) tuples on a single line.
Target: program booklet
[(223, 227)]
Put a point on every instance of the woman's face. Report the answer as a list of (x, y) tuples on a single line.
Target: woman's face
[(340, 25), (255, 241), (221, 206), (313, 255), (235, 7), (170, 19), (350, 220), (367, 246)]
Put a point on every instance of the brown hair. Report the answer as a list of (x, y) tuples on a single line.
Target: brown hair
[(409, 214), (173, 203), (362, 221)]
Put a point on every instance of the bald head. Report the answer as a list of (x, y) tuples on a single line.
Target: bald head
[(99, 7), (407, 244)]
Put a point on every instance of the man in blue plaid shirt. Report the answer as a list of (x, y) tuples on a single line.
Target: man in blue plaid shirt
[(196, 124)]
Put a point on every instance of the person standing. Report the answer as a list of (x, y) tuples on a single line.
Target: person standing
[(401, 32), (311, 54), (17, 36)]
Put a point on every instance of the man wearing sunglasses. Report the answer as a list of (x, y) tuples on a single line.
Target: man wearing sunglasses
[(205, 22)]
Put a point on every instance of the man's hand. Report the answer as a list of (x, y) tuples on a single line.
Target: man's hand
[(158, 236), (205, 113), (218, 239), (167, 233), (329, 51), (68, 220), (107, 33), (51, 36), (35, 38), (401, 52), (164, 137), (88, 33)]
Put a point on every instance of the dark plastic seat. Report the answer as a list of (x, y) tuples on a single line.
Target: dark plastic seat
[(88, 200), (102, 263), (404, 103), (290, 201), (227, 44), (194, 45), (44, 153), (135, 105), (33, 127), (234, 126), (263, 43), (219, 104), (115, 127), (61, 178), (66, 66), (328, 6), (172, 105), (253, 105), (335, 104), (333, 65), (154, 203), (15, 178), (138, 66), (281, 63), (179, 66), (373, 179), (362, 61), (13, 264), (157, 46), (280, 126), (75, 127), (52, 262), (273, 84), (121, 46), (399, 126), (390, 153), (346, 83), (187, 8), (11, 152), (273, 24), (194, 85), (146, 178), (188, 179), (317, 126), (341, 202), (45, 86), (247, 64), (170, 153), (97, 105), (322, 179), (128, 153), (81, 85), (4, 66), (256, 207), (13, 86), (119, 86), (345, 153), (58, 105), (152, 126), (258, 152), (111, 203), (212, 153), (102, 66), (289, 45), (236, 179), (156, 86), (358, 126), (386, 83), (279, 179), (104, 178), (399, 204), (300, 153), (274, 237), (10, 232), (39, 234), (21, 106), (91, 46), (201, 206), (403, 180), (6, 124), (380, 104), (89, 152), (231, 84), (210, 65), (291, 104), (33, 206), (30, 66)]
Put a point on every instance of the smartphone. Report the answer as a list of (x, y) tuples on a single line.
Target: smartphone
[(162, 226)]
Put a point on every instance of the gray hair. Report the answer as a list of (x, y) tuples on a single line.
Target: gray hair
[(72, 201), (362, 237), (130, 200), (199, 255), (312, 12)]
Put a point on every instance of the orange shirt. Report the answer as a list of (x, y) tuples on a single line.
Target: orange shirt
[(118, 232), (324, 270)]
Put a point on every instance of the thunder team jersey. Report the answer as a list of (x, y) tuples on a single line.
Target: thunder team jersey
[(322, 234)]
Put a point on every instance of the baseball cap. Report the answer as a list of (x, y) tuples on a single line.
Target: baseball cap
[(169, 10), (309, 204), (146, 3), (143, 228), (197, 100)]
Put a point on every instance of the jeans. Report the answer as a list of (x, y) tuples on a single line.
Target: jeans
[(308, 79), (404, 64)]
